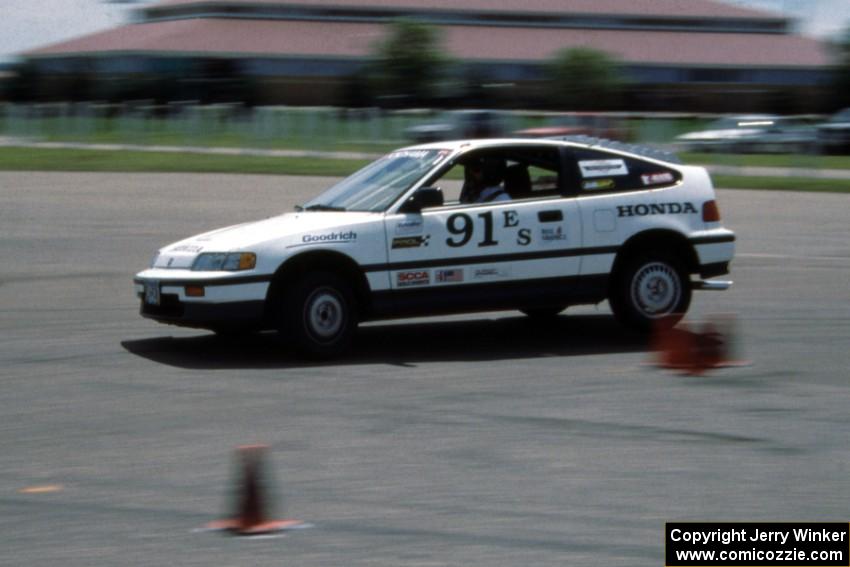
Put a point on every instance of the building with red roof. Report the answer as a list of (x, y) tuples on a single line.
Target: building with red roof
[(676, 54)]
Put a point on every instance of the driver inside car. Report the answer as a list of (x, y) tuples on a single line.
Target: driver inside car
[(483, 181)]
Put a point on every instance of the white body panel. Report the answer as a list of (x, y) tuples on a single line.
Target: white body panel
[(469, 244)]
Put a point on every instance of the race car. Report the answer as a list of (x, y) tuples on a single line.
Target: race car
[(575, 222)]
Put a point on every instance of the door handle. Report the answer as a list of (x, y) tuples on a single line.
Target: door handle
[(550, 216)]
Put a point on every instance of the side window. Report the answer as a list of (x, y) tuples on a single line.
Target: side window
[(544, 179), (601, 172), (521, 172), (451, 183)]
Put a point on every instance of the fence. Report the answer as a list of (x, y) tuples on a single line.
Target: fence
[(231, 125)]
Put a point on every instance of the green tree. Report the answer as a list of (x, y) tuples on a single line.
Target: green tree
[(408, 63), (585, 79)]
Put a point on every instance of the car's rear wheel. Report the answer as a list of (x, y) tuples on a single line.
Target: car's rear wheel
[(651, 288), (319, 315)]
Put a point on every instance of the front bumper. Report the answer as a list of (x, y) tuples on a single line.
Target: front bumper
[(238, 314), (228, 301)]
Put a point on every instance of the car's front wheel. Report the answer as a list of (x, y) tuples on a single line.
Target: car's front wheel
[(649, 289), (319, 315)]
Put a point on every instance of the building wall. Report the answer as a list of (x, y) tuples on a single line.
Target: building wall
[(695, 55)]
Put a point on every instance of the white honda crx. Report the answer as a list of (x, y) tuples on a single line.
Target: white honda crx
[(575, 223)]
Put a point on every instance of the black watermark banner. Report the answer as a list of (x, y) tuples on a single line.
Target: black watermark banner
[(757, 544)]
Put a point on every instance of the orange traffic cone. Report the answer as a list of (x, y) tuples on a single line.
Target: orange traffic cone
[(674, 347), (708, 349), (696, 352), (251, 514), (721, 332)]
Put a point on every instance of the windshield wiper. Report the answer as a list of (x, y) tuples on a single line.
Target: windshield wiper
[(319, 208)]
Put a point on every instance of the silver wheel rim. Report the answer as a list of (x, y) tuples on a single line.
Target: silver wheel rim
[(324, 313), (656, 289)]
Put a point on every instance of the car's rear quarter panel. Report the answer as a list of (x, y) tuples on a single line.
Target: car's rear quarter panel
[(611, 220)]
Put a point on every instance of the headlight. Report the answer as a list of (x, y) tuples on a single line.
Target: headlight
[(231, 261)]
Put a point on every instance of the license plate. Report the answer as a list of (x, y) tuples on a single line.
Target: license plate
[(152, 292)]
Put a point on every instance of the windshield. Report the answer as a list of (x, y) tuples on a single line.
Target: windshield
[(379, 184)]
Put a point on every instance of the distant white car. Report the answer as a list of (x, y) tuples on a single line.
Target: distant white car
[(834, 134), (752, 133), (458, 124), (584, 222)]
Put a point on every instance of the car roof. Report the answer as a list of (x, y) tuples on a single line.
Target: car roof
[(584, 142), (457, 145)]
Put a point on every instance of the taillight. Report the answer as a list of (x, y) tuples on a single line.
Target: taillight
[(710, 212)]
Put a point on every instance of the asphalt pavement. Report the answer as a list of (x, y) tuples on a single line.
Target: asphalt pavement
[(472, 440)]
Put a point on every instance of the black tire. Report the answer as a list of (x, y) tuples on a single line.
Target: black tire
[(543, 313), (319, 315), (649, 289)]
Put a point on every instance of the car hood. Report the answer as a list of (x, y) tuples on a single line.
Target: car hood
[(290, 228)]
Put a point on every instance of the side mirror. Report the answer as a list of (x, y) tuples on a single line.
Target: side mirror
[(423, 198)]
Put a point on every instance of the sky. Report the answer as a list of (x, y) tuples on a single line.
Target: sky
[(820, 18), (26, 24)]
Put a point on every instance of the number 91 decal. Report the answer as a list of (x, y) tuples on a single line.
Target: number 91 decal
[(462, 227)]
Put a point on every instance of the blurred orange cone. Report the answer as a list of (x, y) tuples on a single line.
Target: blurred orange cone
[(696, 352), (673, 346), (251, 514), (708, 347), (721, 332)]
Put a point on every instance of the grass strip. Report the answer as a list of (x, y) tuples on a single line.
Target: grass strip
[(768, 160), (41, 159), (782, 183)]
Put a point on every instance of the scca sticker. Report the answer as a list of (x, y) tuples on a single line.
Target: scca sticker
[(413, 278), (603, 167)]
